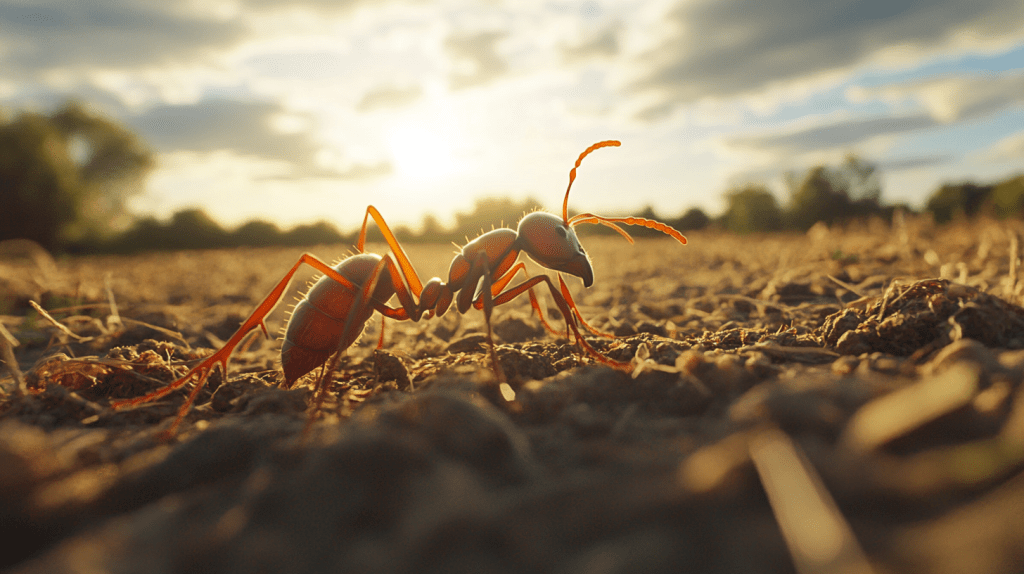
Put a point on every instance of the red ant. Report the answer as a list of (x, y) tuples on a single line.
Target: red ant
[(334, 312)]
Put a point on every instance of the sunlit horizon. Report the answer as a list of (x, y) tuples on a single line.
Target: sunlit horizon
[(295, 111)]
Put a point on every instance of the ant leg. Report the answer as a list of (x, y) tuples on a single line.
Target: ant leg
[(570, 314), (488, 307), (201, 372), (500, 284), (576, 310), (476, 292), (408, 271), (320, 391), (364, 299)]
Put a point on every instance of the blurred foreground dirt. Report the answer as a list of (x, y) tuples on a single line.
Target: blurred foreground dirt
[(831, 402)]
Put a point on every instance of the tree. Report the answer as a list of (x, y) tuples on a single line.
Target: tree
[(39, 185), (66, 176), (491, 212), (831, 194), (1008, 197), (319, 233), (752, 208), (194, 229), (693, 220), (954, 200), (256, 233)]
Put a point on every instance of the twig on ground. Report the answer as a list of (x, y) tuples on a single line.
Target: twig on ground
[(7, 344), (60, 326)]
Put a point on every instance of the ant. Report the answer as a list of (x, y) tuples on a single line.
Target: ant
[(334, 311)]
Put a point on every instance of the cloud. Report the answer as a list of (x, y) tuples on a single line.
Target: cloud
[(604, 44), (727, 48), (321, 6), (915, 162), (834, 135), (351, 172), (244, 129), (309, 64), (944, 101), (211, 125), (55, 34), (958, 98), (389, 96), (1010, 148), (476, 58)]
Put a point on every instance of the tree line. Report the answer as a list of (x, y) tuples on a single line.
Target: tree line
[(65, 178)]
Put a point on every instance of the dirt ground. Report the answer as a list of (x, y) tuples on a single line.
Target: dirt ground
[(840, 401)]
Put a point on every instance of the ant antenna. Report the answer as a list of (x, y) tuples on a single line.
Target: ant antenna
[(572, 173)]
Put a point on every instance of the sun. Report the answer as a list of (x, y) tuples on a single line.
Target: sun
[(419, 152)]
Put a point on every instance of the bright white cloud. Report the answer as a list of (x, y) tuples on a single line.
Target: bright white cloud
[(389, 96)]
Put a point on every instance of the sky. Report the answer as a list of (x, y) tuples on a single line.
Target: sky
[(295, 111)]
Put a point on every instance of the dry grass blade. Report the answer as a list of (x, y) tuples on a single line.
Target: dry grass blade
[(901, 411), (791, 353), (851, 288), (60, 326), (114, 320), (819, 538), (957, 468), (7, 344), (706, 469), (7, 336), (168, 332)]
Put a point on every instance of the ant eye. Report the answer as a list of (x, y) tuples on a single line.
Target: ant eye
[(561, 232)]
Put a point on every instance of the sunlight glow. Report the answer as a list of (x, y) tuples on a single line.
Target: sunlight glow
[(418, 152)]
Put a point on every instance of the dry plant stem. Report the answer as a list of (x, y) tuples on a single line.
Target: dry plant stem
[(114, 320), (7, 344), (60, 327), (819, 538), (7, 336), (1014, 255), (172, 334), (900, 411), (846, 286)]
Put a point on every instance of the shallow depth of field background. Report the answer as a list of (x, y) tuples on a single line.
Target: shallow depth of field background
[(839, 345)]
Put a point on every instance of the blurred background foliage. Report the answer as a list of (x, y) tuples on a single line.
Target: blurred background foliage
[(65, 179)]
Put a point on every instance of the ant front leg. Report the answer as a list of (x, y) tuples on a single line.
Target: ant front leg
[(576, 310), (476, 292), (569, 312), (503, 281)]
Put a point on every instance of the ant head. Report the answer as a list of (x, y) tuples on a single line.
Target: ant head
[(552, 243)]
